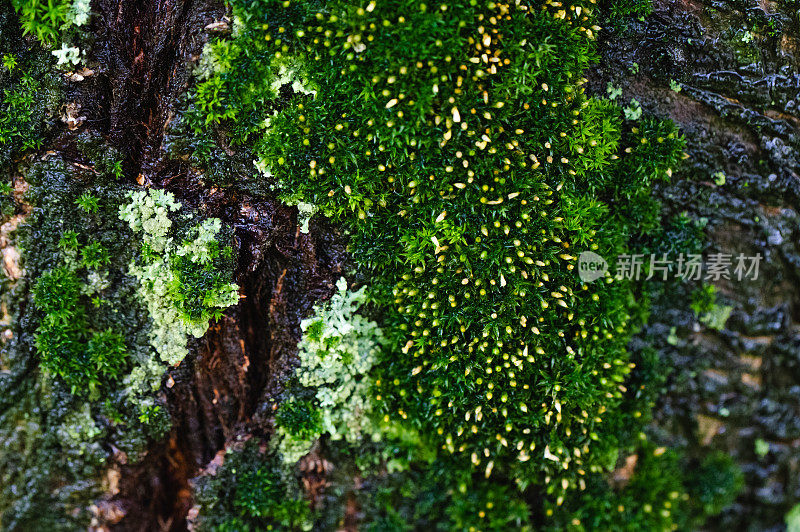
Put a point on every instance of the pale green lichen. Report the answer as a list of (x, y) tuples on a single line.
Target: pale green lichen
[(80, 12), (79, 435), (169, 331), (67, 55), (337, 352), (261, 164), (633, 111), (201, 249), (304, 213), (292, 448), (717, 316), (289, 74), (148, 214), (144, 380), (79, 428)]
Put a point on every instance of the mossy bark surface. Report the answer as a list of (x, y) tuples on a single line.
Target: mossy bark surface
[(125, 105), (738, 107)]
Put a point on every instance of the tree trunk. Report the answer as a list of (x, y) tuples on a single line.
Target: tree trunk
[(735, 64)]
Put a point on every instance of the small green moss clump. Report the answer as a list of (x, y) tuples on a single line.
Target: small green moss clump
[(621, 9), (46, 19), (300, 419), (650, 499), (248, 494), (441, 497), (87, 203), (26, 94), (656, 489), (200, 286), (29, 96), (68, 343), (715, 484), (19, 119)]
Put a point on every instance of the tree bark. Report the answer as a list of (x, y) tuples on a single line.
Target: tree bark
[(738, 108)]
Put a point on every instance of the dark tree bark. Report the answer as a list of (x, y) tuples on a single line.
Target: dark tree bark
[(738, 69)]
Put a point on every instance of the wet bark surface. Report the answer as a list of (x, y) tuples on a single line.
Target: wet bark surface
[(737, 66)]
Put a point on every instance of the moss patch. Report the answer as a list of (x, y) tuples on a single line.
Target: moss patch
[(455, 144)]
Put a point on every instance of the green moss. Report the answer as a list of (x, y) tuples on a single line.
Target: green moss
[(19, 118), (21, 108), (703, 299), (455, 145), (69, 346), (715, 484), (247, 494), (708, 309), (57, 291), (87, 203), (94, 256), (488, 506), (440, 498), (658, 490), (201, 283), (651, 499), (300, 419), (46, 19), (29, 91), (42, 19), (621, 9)]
